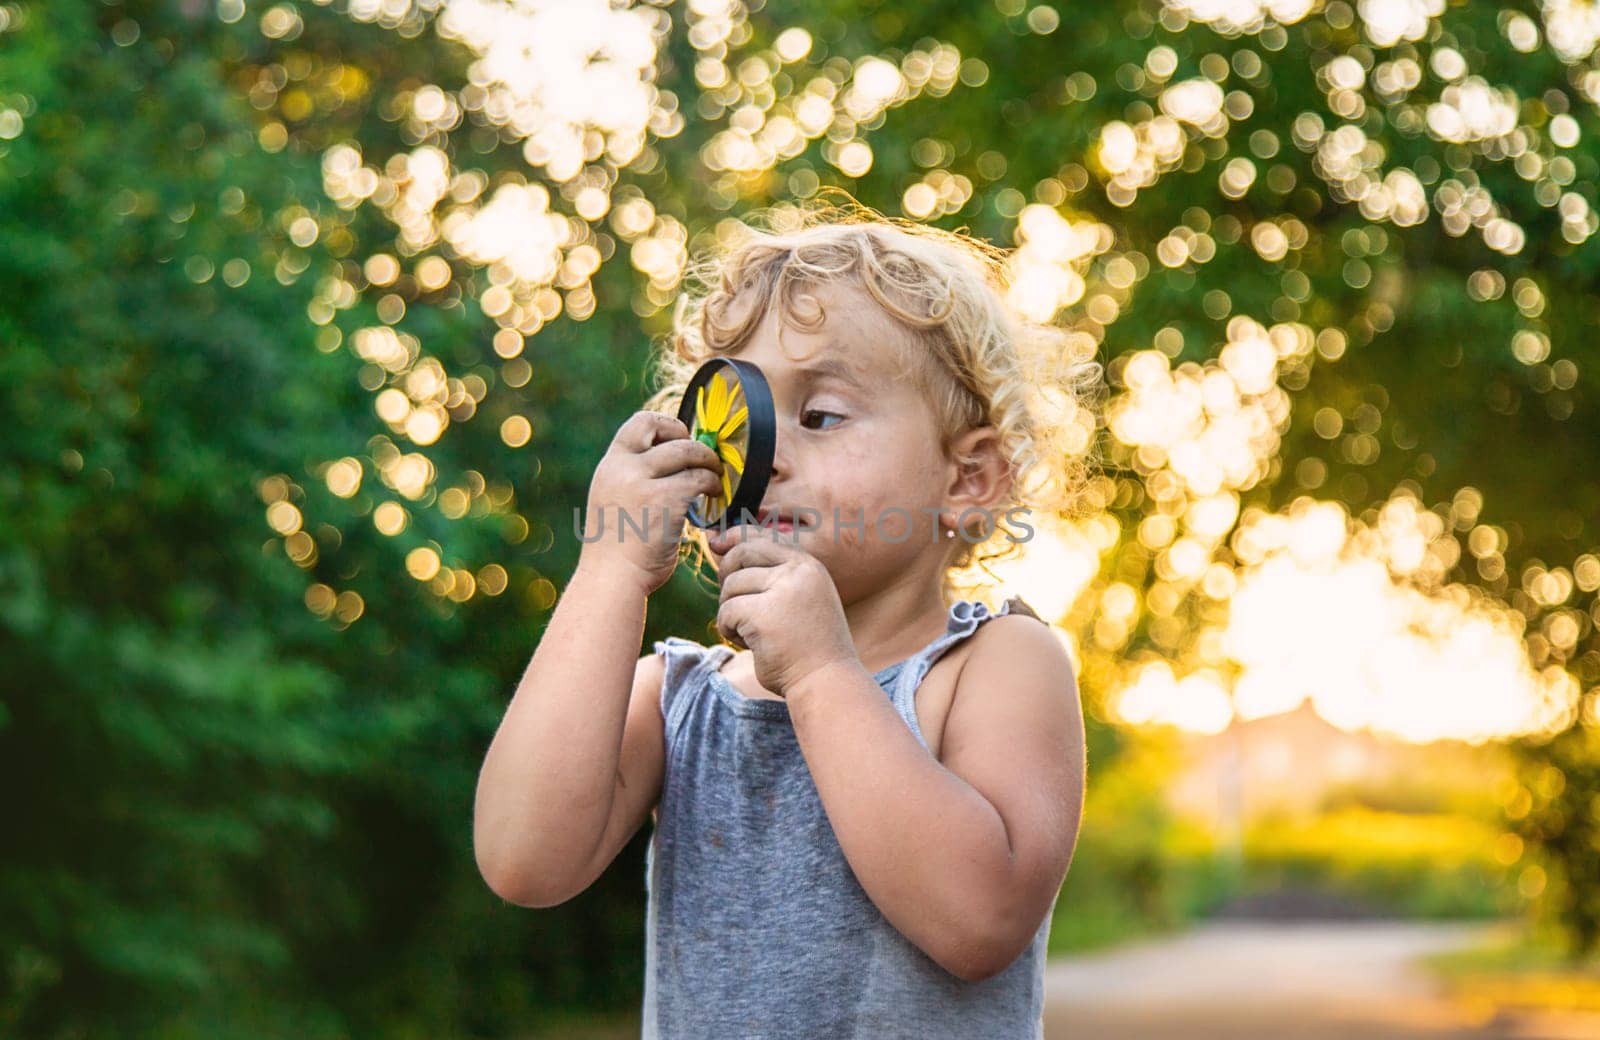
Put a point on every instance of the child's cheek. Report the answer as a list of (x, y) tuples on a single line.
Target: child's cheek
[(850, 536)]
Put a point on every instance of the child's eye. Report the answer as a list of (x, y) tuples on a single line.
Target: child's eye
[(809, 412)]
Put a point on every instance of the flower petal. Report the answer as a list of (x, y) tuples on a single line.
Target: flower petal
[(717, 402)]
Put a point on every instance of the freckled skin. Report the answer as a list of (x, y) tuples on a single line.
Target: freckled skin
[(850, 539), (876, 451)]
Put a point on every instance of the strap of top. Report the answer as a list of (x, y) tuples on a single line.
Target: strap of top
[(686, 661), (965, 617), (689, 664)]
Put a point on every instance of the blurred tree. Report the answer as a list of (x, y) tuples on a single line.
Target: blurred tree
[(1553, 812), (243, 742)]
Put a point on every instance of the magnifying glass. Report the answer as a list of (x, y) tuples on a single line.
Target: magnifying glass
[(728, 408)]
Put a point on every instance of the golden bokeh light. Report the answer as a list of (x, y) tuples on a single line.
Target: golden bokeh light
[(349, 606), (344, 477), (492, 579), (320, 599), (422, 563), (1224, 598), (390, 518), (283, 517), (516, 431)]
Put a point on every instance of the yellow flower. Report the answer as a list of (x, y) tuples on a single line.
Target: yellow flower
[(719, 412)]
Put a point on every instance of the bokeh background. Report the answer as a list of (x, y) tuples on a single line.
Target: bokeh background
[(315, 317)]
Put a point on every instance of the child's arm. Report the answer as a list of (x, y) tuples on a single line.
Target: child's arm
[(576, 763), (965, 856), (550, 777)]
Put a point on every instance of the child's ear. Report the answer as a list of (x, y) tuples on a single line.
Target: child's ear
[(981, 483)]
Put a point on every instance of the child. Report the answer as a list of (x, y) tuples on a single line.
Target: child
[(862, 817)]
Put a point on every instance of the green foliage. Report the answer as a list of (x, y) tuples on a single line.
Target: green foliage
[(1522, 966), (1411, 864), (1137, 868), (223, 802), (1553, 809)]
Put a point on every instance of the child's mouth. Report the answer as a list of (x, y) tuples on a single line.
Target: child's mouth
[(780, 520)]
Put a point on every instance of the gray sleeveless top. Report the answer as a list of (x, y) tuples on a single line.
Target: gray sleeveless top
[(756, 926)]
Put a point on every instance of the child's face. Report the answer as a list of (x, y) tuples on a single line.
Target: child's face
[(852, 437)]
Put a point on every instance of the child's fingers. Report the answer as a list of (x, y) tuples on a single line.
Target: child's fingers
[(745, 546), (746, 581), (722, 541), (730, 616), (644, 429), (674, 456)]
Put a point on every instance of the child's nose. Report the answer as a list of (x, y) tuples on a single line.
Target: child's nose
[(781, 464)]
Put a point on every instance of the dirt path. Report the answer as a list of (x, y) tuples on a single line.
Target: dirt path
[(1264, 981), (1252, 980)]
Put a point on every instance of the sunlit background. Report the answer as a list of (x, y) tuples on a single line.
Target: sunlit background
[(315, 317)]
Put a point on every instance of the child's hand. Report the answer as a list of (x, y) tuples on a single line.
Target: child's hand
[(779, 602), (651, 473)]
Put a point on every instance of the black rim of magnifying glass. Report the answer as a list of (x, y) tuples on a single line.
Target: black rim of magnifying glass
[(762, 424)]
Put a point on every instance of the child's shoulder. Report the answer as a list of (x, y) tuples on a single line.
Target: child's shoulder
[(1015, 644)]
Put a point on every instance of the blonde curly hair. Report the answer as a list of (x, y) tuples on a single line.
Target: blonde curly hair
[(981, 363)]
